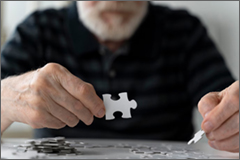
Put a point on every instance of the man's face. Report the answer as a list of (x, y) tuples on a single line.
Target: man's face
[(112, 20)]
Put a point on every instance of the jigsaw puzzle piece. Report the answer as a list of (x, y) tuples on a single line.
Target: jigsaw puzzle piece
[(108, 103), (196, 137), (125, 102), (122, 105)]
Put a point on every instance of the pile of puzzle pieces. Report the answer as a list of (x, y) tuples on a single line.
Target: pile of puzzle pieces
[(40, 148), (36, 149)]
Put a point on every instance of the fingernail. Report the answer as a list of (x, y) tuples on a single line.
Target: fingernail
[(212, 144), (101, 113), (208, 127)]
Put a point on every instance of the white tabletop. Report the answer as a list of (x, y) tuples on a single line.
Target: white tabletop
[(174, 149)]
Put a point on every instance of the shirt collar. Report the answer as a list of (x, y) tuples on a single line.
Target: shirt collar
[(123, 50)]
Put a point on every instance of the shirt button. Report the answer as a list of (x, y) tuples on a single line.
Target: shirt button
[(112, 73)]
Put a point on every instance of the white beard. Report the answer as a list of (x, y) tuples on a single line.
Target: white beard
[(117, 31)]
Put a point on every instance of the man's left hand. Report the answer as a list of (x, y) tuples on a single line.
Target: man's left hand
[(220, 111)]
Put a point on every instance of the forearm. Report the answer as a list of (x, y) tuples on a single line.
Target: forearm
[(11, 89), (5, 122)]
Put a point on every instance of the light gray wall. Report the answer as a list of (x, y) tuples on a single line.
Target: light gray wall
[(16, 11)]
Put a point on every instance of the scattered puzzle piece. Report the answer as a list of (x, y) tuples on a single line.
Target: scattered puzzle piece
[(197, 137), (108, 150), (123, 105)]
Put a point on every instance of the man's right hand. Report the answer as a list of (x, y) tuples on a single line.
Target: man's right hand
[(50, 97)]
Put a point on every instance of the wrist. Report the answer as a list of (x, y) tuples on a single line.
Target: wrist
[(5, 116), (5, 123), (8, 95), (13, 95)]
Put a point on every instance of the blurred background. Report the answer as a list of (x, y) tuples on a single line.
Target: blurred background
[(220, 17)]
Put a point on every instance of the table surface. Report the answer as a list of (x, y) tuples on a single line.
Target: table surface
[(174, 149)]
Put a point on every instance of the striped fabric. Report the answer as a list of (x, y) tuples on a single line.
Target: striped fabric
[(167, 66)]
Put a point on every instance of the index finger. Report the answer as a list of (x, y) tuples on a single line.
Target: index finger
[(208, 102), (220, 114), (226, 108), (84, 92)]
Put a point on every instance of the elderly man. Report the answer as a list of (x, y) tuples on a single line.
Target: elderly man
[(58, 63)]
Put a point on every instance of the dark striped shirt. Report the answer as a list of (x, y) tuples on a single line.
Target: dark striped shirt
[(167, 66)]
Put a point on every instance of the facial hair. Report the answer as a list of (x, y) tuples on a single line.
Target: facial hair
[(116, 30)]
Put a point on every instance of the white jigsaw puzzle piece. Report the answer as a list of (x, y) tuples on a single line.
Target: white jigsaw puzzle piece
[(122, 105), (197, 137)]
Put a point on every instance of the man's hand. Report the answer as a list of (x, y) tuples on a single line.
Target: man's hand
[(50, 97), (220, 111)]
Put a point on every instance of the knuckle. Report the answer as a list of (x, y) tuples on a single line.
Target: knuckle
[(77, 105), (84, 88), (51, 67), (61, 98), (72, 121), (231, 104), (90, 86), (37, 85)]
